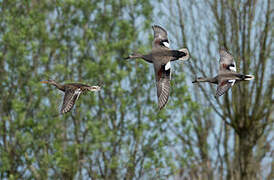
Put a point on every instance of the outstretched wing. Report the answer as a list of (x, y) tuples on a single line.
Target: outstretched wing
[(159, 32), (227, 62), (70, 98), (163, 76), (223, 86), (160, 37)]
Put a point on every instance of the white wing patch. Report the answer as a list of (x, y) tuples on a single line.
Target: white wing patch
[(77, 92), (233, 68), (232, 82), (167, 66), (166, 44)]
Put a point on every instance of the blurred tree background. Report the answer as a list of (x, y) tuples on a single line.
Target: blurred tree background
[(234, 140), (118, 133)]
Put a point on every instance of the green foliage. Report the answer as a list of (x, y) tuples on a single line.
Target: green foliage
[(115, 133)]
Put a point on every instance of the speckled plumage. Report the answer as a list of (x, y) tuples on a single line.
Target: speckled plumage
[(72, 92)]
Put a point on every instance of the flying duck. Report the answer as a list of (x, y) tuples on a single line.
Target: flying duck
[(72, 92), (227, 75), (160, 57)]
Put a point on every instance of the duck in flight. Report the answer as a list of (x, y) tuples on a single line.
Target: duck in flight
[(161, 56), (227, 75), (72, 92)]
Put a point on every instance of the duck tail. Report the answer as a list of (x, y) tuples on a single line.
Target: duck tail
[(94, 88), (248, 77), (186, 54)]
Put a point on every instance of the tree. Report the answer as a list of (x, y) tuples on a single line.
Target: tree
[(242, 141), (114, 134)]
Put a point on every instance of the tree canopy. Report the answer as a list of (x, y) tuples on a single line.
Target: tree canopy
[(118, 132)]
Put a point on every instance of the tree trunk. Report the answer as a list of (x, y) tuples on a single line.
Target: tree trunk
[(245, 155)]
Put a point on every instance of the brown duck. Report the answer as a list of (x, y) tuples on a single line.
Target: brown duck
[(160, 57), (72, 92), (227, 75)]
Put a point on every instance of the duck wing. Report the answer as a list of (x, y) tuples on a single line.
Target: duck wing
[(227, 63), (160, 37), (69, 100), (163, 76), (223, 86)]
